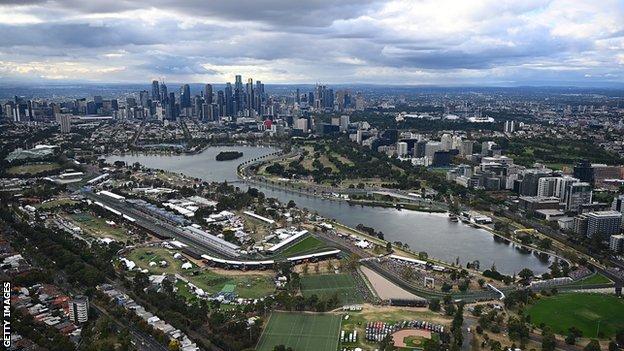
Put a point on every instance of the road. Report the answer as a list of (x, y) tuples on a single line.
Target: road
[(561, 238), (370, 261), (143, 341)]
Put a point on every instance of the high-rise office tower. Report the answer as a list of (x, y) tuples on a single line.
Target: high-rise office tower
[(238, 94), (155, 91), (185, 96), (144, 98), (171, 112), (221, 103), (197, 107), (297, 96), (229, 101), (250, 95), (164, 95), (259, 97), (208, 93)]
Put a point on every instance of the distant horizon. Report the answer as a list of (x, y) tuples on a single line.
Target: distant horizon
[(596, 85)]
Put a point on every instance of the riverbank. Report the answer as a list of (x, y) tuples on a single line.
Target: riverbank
[(329, 193)]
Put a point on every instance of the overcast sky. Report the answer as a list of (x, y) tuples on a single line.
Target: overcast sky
[(439, 42)]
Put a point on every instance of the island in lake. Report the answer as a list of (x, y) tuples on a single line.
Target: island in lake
[(228, 155)]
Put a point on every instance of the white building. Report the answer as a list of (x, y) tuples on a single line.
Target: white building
[(79, 309), (510, 126), (447, 141), (604, 222), (402, 149), (431, 147), (65, 122), (344, 123), (616, 243), (302, 124)]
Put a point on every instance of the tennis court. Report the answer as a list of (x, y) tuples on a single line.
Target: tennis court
[(301, 331)]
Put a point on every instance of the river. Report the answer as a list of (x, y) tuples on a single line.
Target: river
[(432, 233)]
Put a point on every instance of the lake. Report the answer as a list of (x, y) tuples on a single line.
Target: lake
[(432, 233)]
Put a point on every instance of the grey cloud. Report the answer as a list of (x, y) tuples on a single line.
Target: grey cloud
[(74, 35)]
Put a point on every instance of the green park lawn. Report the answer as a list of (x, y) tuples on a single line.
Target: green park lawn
[(245, 285), (593, 280), (596, 315), (98, 227), (56, 203)]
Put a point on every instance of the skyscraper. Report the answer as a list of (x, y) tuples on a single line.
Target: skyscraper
[(171, 112), (250, 95), (259, 97), (229, 102), (65, 120), (185, 96), (208, 94), (238, 94), (155, 91), (164, 95), (144, 98), (221, 103)]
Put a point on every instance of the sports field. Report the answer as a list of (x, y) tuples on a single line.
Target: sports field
[(308, 245), (593, 314), (98, 227), (34, 168), (301, 331), (325, 285)]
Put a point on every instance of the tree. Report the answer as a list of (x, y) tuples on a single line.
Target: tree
[(570, 339), (449, 309), (388, 247), (549, 343), (353, 261), (387, 344), (593, 345), (463, 285), (518, 329), (525, 274), (456, 329), (174, 345), (431, 345), (141, 281), (434, 305)]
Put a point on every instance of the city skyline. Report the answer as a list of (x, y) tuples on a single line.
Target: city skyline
[(446, 43)]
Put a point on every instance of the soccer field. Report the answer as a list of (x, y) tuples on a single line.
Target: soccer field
[(325, 285), (301, 331), (591, 313)]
